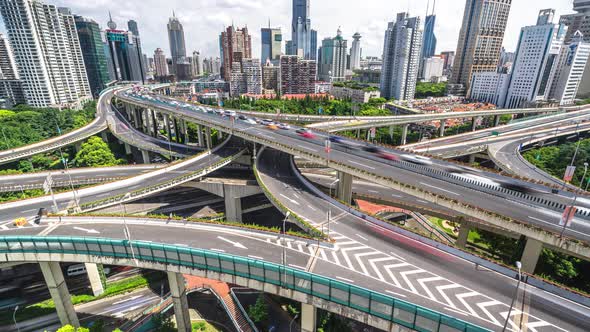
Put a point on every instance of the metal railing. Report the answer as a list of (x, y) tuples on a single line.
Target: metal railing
[(369, 302)]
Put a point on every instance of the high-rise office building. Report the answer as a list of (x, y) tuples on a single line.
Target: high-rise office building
[(303, 38), (95, 58), (449, 57), (401, 58), (579, 21), (489, 87), (506, 61), (272, 40), (196, 64), (236, 44), (47, 53), (160, 64), (297, 76), (433, 68), (355, 52), (332, 59), (246, 77), (177, 45), (480, 39), (569, 69), (132, 26), (126, 57), (536, 55), (11, 89)]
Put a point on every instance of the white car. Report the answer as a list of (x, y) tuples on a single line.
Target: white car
[(415, 159)]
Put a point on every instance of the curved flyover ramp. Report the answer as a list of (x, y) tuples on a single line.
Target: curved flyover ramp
[(374, 257)]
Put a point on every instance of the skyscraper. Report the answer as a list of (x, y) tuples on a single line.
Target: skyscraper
[(536, 55), (272, 40), (11, 90), (126, 57), (235, 45), (332, 59), (196, 64), (303, 39), (297, 76), (177, 44), (93, 51), (429, 44), (401, 58), (160, 64), (480, 38), (569, 69), (47, 53), (580, 21), (355, 52)]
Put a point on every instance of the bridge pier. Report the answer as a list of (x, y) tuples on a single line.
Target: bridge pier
[(200, 135), (308, 317), (145, 156), (176, 131), (60, 295), (78, 146), (404, 134), (154, 122), (473, 123), (180, 303), (441, 129), (345, 187), (94, 278), (168, 126), (105, 137), (496, 120), (127, 149), (530, 256), (208, 138), (463, 234)]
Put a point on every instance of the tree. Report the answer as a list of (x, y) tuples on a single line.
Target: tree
[(163, 324), (70, 328), (94, 153), (258, 312)]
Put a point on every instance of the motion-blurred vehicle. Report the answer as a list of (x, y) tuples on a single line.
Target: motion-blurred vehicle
[(380, 153), (306, 133), (415, 159), (284, 126), (266, 122), (19, 222), (345, 142), (272, 126)]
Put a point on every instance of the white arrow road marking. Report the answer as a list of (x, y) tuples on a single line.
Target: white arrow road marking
[(423, 282), (393, 278), (289, 199), (358, 259), (483, 306), (462, 297), (374, 266), (89, 231), (344, 251), (440, 289), (235, 244)]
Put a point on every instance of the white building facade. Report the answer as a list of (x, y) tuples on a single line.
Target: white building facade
[(569, 70), (489, 87), (47, 53), (433, 68), (401, 58), (355, 52)]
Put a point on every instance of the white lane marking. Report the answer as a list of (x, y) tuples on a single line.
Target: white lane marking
[(27, 211), (362, 237), (297, 266), (397, 196), (373, 191), (457, 311), (256, 257), (4, 227), (217, 250), (306, 148), (89, 231), (441, 189), (397, 256), (103, 195), (394, 293), (291, 200), (347, 280), (422, 201), (129, 299), (235, 244), (362, 165)]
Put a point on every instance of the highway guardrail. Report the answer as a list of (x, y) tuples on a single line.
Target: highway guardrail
[(386, 307)]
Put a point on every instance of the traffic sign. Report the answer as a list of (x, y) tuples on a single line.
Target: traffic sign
[(569, 173), (495, 133), (568, 215)]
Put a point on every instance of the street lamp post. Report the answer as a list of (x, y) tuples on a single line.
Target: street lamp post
[(292, 320), (126, 228), (14, 319), (284, 242), (519, 267), (332, 184), (584, 176)]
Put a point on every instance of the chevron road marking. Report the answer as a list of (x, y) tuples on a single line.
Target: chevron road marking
[(513, 325), (358, 256), (483, 307), (423, 282), (336, 259), (462, 297), (441, 290), (405, 277), (374, 266), (392, 276), (347, 259), (532, 326)]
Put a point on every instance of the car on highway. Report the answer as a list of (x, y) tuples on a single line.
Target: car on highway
[(266, 122), (20, 222), (380, 153), (415, 159), (272, 126), (306, 133), (344, 142), (284, 126)]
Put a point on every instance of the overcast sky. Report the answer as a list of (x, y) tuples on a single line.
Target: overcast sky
[(203, 20)]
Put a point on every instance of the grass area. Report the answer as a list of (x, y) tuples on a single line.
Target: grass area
[(203, 326), (47, 307), (473, 237)]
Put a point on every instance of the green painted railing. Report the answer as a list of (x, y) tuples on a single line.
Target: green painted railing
[(367, 301)]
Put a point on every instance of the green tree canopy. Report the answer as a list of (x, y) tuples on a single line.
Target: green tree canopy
[(95, 153)]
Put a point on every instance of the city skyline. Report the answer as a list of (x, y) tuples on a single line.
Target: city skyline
[(371, 22)]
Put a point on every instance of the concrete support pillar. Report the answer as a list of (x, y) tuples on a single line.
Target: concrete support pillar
[(179, 301), (404, 134), (200, 135), (78, 146), (105, 137), (471, 158), (391, 128), (135, 119), (208, 140), (345, 187), (441, 129), (168, 127), (145, 155), (308, 318), (463, 234), (219, 135), (496, 120), (60, 295), (155, 122), (127, 149), (177, 131), (473, 124), (94, 278), (531, 254), (184, 126), (358, 133), (233, 204)]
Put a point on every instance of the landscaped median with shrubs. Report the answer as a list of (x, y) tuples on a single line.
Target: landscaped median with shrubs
[(47, 307)]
